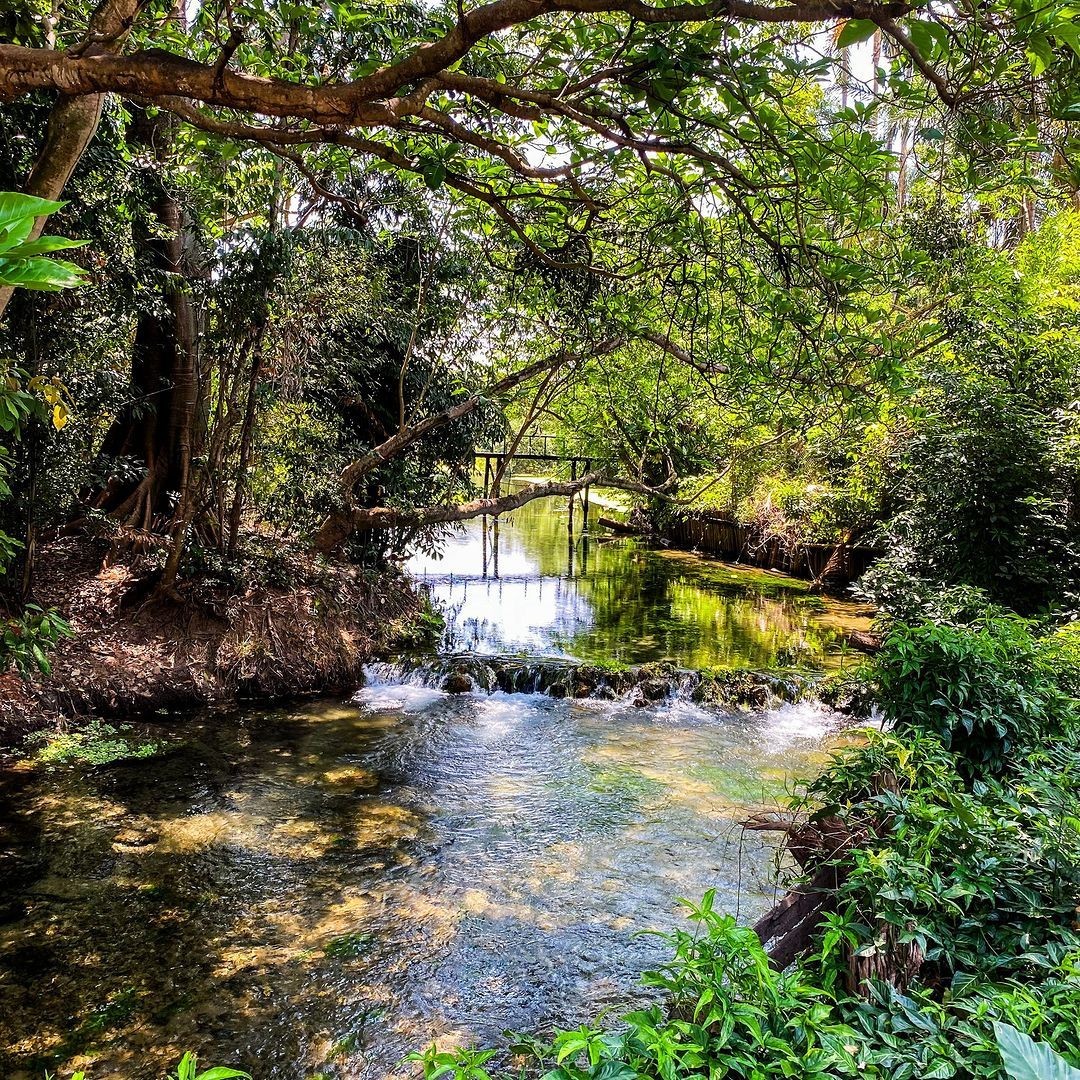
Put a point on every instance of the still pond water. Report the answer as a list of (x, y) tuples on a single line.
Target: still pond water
[(315, 891)]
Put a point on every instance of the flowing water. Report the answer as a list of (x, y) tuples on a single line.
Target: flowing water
[(315, 891)]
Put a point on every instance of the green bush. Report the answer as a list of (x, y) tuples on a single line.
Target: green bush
[(984, 689), (982, 877), (186, 1071), (981, 495), (726, 1013), (25, 639)]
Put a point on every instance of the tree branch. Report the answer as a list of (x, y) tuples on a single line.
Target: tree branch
[(74, 121), (374, 99), (385, 517), (339, 525)]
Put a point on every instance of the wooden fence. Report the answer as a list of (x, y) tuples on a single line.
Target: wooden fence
[(728, 539)]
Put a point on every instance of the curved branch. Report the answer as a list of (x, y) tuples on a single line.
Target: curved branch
[(339, 525), (374, 99), (386, 517), (927, 70)]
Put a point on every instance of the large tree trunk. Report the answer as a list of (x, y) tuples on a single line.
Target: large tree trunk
[(159, 427)]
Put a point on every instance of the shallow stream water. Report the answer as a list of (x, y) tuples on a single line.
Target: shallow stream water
[(314, 891)]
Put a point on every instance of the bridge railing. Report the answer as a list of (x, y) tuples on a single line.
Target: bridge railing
[(539, 444)]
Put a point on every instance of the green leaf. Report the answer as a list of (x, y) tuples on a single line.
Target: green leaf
[(45, 245), (47, 275), (14, 206), (434, 173), (855, 30), (1026, 1059), (929, 38), (1069, 34), (1040, 53)]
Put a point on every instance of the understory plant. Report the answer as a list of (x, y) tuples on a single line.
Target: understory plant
[(725, 1012), (186, 1070), (26, 262), (984, 689)]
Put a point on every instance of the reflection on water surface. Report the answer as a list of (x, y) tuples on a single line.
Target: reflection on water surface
[(527, 585)]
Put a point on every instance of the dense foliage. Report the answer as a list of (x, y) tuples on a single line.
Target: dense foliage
[(813, 264), (25, 401)]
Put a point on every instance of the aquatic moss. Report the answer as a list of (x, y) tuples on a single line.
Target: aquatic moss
[(620, 780), (97, 743), (349, 946), (739, 788), (737, 687)]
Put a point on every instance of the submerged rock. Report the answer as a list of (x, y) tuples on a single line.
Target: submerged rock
[(656, 689), (852, 693), (457, 682), (752, 689)]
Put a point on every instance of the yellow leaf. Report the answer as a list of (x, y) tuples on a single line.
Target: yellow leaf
[(59, 417)]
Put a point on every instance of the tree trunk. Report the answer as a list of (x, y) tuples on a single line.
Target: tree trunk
[(247, 438), (159, 427), (74, 120)]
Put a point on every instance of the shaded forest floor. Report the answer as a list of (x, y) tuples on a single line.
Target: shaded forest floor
[(288, 626)]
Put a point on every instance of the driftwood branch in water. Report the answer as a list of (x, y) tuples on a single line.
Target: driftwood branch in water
[(823, 848)]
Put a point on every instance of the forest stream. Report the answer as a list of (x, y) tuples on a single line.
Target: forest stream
[(315, 890)]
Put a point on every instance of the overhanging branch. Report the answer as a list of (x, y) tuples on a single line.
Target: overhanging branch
[(385, 517)]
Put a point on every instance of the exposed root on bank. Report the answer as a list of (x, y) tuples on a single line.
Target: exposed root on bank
[(821, 846)]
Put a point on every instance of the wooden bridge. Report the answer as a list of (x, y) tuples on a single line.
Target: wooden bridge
[(537, 446)]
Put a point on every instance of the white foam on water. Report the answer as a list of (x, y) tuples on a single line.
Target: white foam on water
[(408, 697), (803, 721), (500, 714), (537, 699)]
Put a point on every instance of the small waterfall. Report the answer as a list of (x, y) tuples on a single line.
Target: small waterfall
[(645, 684)]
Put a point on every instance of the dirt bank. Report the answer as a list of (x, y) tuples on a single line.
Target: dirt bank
[(306, 627)]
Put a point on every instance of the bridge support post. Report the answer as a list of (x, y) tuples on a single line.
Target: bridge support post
[(585, 508), (496, 491), (573, 498)]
